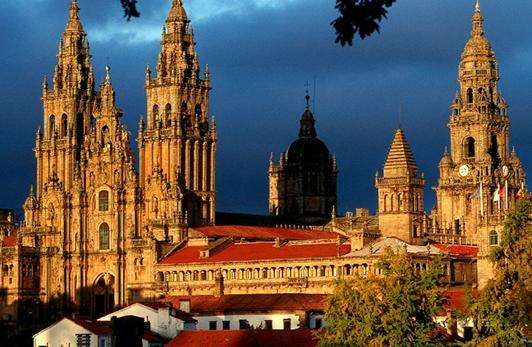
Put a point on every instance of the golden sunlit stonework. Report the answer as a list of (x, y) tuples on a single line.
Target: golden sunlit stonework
[(98, 233)]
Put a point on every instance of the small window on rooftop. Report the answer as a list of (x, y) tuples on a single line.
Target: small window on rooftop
[(226, 325), (213, 325)]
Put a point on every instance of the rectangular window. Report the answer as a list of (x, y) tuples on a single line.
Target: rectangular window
[(243, 324), (226, 325), (268, 324), (287, 324), (83, 340), (318, 323), (212, 325)]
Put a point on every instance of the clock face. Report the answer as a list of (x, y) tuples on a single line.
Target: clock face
[(505, 171), (464, 170)]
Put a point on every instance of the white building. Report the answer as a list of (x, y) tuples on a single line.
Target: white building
[(68, 332), (72, 332), (163, 318), (264, 311)]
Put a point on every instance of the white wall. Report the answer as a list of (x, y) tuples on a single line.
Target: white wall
[(161, 322), (254, 320), (63, 334)]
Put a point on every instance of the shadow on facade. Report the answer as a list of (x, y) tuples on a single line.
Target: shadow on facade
[(23, 318)]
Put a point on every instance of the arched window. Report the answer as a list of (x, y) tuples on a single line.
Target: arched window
[(494, 238), (64, 125), (168, 115), (385, 205), (470, 96), (104, 236), (155, 204), (155, 115), (198, 113), (103, 200), (105, 135), (93, 122), (184, 110), (470, 147), (51, 125)]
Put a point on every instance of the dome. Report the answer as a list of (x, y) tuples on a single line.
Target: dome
[(308, 151)]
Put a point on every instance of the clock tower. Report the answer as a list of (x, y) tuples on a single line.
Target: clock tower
[(480, 178)]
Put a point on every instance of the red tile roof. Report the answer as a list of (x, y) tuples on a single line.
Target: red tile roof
[(245, 338), (156, 305), (463, 250), (264, 233), (455, 298), (202, 304), (257, 251), (95, 327)]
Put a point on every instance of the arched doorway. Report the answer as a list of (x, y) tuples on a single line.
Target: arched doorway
[(103, 295)]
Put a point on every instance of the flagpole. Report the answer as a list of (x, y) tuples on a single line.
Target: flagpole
[(481, 200), (506, 192)]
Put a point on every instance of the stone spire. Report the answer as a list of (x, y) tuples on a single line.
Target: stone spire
[(400, 161), (73, 71)]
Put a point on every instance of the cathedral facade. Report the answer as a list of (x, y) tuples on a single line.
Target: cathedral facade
[(98, 233)]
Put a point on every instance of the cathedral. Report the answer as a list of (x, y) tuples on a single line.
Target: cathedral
[(101, 231)]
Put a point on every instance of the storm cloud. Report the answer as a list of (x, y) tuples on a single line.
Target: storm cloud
[(261, 53)]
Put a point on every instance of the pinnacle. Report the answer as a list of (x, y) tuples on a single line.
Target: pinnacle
[(177, 12), (400, 155), (74, 23)]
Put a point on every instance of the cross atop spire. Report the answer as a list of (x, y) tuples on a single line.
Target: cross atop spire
[(307, 96)]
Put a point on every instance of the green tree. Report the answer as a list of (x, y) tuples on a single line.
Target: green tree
[(501, 313), (394, 308), (360, 17)]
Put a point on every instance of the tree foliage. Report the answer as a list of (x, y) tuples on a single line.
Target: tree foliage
[(130, 8), (501, 314), (394, 308), (360, 17)]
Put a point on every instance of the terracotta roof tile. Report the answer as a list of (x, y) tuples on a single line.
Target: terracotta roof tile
[(201, 304), (257, 251), (462, 250), (95, 327), (245, 338), (264, 233)]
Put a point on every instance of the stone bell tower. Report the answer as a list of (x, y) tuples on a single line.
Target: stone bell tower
[(480, 178), (400, 193), (177, 143)]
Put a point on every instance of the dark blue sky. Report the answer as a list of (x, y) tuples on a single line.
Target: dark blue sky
[(261, 53)]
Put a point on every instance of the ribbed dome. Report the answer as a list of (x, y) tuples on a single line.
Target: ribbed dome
[(308, 151)]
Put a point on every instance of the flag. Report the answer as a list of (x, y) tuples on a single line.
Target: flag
[(476, 194), (496, 195)]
